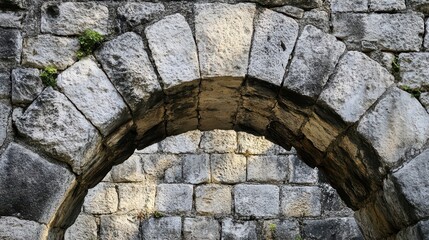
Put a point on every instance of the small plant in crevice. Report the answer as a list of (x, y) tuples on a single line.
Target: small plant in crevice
[(89, 41), (298, 237), (415, 92), (396, 68), (49, 76), (157, 214)]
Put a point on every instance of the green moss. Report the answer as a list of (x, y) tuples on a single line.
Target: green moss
[(49, 76), (395, 65), (89, 40), (157, 214), (415, 92)]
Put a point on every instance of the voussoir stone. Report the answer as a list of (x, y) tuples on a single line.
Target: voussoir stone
[(48, 50), (31, 187), (398, 108), (26, 85), (315, 58), (173, 49), (127, 64), (357, 84), (273, 42), (53, 123), (223, 33), (413, 69), (18, 229), (135, 13), (10, 47), (88, 87), (72, 18), (257, 200)]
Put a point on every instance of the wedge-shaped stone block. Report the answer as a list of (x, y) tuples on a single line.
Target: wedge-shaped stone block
[(201, 228), (174, 51), (127, 65), (411, 131), (413, 69), (72, 18), (166, 228), (273, 42), (315, 58), (52, 123), (88, 87), (26, 85), (224, 33), (257, 200), (10, 47), (358, 83), (15, 228), (48, 50), (31, 187)]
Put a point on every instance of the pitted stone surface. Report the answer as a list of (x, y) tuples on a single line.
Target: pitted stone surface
[(353, 90), (54, 124), (349, 6), (88, 87), (166, 228), (174, 50), (196, 168), (183, 143), (300, 201), (315, 58), (283, 229), (136, 13), (290, 11), (299, 172), (334, 228), (44, 184), (72, 18), (213, 199), (10, 47), (238, 230), (48, 50), (136, 196), (5, 118), (102, 199), (426, 38), (248, 143), (11, 19), (413, 69), (26, 85), (201, 228), (130, 170), (267, 168), (17, 229), (5, 84), (120, 227), (228, 168), (257, 200), (219, 141), (273, 42), (127, 64), (84, 228), (157, 164), (387, 5), (172, 198), (410, 133), (317, 18), (223, 34)]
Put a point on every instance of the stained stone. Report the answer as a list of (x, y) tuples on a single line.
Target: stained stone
[(102, 199), (283, 229), (332, 228), (34, 196), (5, 117), (10, 47), (174, 198), (273, 42), (52, 123), (86, 85), (120, 227), (135, 13), (166, 228), (238, 229), (300, 201), (213, 199), (418, 231), (201, 228), (85, 227), (299, 172), (256, 200), (18, 229), (13, 3), (48, 50), (72, 18), (196, 168), (317, 18), (219, 141), (26, 85), (349, 6), (413, 69)]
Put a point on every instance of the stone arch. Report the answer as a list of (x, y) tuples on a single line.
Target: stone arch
[(244, 68)]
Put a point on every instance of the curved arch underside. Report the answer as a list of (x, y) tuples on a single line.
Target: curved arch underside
[(242, 68)]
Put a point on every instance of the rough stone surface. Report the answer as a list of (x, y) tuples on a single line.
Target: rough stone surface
[(223, 34), (317, 18), (299, 172), (315, 58), (174, 50), (411, 122), (213, 199), (121, 227), (228, 168), (387, 5), (136, 13), (219, 141), (102, 199), (273, 42), (413, 70), (184, 143), (26, 85), (291, 11), (251, 144), (238, 230), (300, 201), (72, 18), (174, 198), (5, 117), (352, 91), (394, 32), (157, 164), (418, 231), (88, 87), (426, 38), (201, 228), (386, 59), (48, 50), (267, 168), (54, 124), (5, 84), (34, 196), (281, 229), (129, 171), (256, 200), (85, 227), (127, 65), (166, 228), (335, 228), (10, 47), (137, 197), (196, 168), (349, 6), (17, 229), (9, 19)]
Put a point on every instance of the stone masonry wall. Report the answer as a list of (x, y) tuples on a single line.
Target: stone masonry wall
[(207, 185)]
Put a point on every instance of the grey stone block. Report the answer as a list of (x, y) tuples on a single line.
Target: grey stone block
[(219, 141), (26, 85), (413, 71), (129, 171), (5, 119), (137, 196), (174, 198), (166, 228), (184, 143), (238, 230), (317, 18), (387, 5), (102, 199), (5, 84), (120, 227), (213, 199), (201, 228), (256, 200), (18, 229), (267, 168), (291, 11), (10, 47), (228, 168), (136, 13), (11, 19), (299, 172), (281, 229), (349, 6), (156, 164), (300, 201), (196, 168), (84, 228), (334, 228)]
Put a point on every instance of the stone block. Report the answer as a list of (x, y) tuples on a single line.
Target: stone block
[(256, 200), (219, 141), (166, 228), (238, 229), (332, 228), (299, 172), (306, 4), (121, 227), (11, 19), (5, 119), (184, 143), (10, 47), (26, 85), (156, 164), (387, 5), (300, 201), (102, 199), (174, 174), (201, 228), (213, 199), (15, 228), (267, 168), (135, 13), (137, 196), (129, 171), (349, 6), (413, 71), (291, 11), (5, 84), (251, 144), (317, 18), (148, 150), (84, 228), (228, 168), (174, 198), (196, 168), (281, 229)]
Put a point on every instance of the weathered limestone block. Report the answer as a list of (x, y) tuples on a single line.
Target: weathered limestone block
[(223, 33), (150, 149), (129, 171), (280, 229), (184, 143), (349, 6), (219, 141), (52, 123), (10, 47), (31, 187), (300, 201), (48, 50), (17, 229), (392, 32), (9, 19), (357, 84), (386, 59), (299, 172), (5, 119), (238, 229), (267, 168), (102, 199), (257, 200), (85, 227), (273, 42), (315, 58), (127, 65), (121, 227), (291, 11), (26, 85), (72, 18), (411, 131), (174, 198), (413, 70), (88, 87), (5, 84), (156, 164), (386, 5), (251, 144), (162, 228), (228, 168), (213, 199), (137, 196), (174, 51), (337, 228), (196, 168), (317, 18), (201, 228), (174, 174), (136, 13)]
